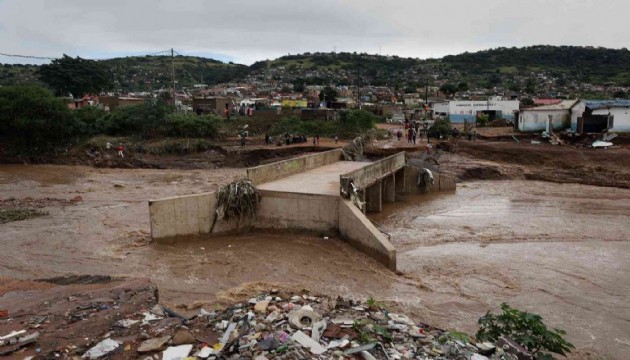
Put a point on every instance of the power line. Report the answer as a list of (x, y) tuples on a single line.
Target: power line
[(28, 56), (163, 52)]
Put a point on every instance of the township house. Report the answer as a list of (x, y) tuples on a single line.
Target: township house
[(211, 104), (546, 117), (601, 115)]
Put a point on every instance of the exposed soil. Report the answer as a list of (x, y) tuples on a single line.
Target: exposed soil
[(72, 317), (561, 164), (175, 153)]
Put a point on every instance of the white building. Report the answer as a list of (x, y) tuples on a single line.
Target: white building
[(458, 111), (544, 118), (601, 115)]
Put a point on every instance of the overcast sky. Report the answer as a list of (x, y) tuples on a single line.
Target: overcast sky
[(245, 31)]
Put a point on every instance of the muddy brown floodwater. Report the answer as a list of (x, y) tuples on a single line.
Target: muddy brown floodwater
[(558, 250)]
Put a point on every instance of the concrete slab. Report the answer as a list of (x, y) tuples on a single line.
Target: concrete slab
[(321, 181)]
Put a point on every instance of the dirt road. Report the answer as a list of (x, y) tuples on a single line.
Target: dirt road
[(559, 250)]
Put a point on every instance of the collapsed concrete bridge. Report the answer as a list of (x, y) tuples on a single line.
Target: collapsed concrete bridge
[(318, 193)]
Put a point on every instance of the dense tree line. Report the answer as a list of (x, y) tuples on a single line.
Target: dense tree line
[(33, 121)]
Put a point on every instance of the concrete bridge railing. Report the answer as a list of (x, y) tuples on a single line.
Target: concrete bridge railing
[(376, 183), (277, 170)]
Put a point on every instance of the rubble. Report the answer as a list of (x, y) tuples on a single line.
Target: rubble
[(280, 326)]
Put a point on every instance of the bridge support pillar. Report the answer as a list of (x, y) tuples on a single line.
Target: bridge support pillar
[(400, 180), (389, 188), (373, 197)]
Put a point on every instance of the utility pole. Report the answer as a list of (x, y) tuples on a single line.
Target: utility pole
[(426, 91), (173, 73)]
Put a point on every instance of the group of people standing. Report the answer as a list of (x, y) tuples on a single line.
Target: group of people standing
[(413, 131)]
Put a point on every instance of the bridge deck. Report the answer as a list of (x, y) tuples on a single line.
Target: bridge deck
[(322, 181)]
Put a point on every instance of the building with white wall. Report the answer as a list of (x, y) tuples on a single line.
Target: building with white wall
[(458, 111), (547, 117)]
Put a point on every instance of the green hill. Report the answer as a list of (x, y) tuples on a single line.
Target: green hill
[(585, 64), (495, 67), (145, 73), (510, 68)]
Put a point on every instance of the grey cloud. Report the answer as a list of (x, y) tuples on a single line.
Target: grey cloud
[(252, 30)]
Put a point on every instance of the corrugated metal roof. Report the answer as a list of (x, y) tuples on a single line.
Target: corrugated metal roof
[(598, 104), (563, 105)]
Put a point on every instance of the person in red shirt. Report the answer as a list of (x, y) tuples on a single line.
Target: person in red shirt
[(121, 150)]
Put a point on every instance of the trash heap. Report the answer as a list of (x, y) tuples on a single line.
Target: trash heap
[(272, 326)]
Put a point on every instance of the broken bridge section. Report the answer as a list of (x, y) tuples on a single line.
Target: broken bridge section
[(319, 193), (310, 199)]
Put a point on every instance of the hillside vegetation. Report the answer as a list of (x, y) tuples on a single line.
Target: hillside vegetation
[(506, 67), (144, 73)]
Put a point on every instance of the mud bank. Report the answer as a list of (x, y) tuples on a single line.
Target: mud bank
[(546, 162)]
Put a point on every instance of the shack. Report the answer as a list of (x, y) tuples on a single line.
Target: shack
[(211, 105), (594, 116)]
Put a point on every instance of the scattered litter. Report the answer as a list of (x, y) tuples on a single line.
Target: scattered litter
[(103, 348), (303, 318), (148, 317), (602, 144), (309, 343), (275, 326), (11, 335), (205, 352), (338, 344), (318, 329), (153, 344), (177, 352), (127, 323)]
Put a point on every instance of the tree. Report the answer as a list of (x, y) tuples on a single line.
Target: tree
[(409, 89), (527, 101), (328, 94), (448, 89), (75, 76), (298, 85), (357, 121), (440, 128), (34, 120), (462, 86), (620, 94), (530, 86)]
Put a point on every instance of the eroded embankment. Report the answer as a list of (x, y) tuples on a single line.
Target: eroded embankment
[(546, 162)]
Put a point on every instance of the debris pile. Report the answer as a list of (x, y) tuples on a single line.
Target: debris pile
[(277, 326), (355, 150), (238, 199)]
